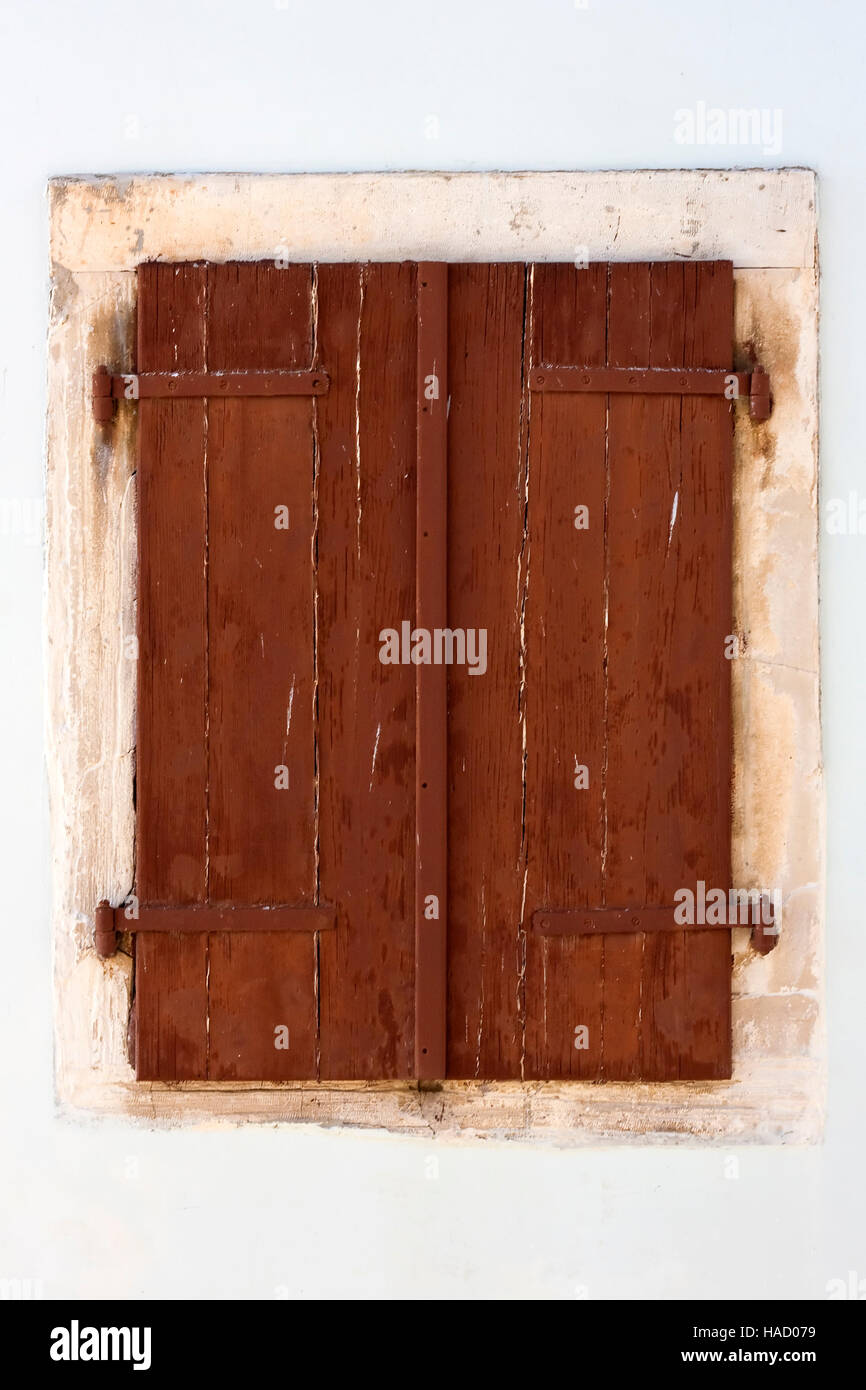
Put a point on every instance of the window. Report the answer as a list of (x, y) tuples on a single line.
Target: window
[(764, 221)]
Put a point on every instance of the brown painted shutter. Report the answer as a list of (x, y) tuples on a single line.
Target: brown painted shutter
[(256, 652), (609, 654), (259, 649)]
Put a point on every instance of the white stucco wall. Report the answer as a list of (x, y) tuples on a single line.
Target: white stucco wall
[(101, 1207)]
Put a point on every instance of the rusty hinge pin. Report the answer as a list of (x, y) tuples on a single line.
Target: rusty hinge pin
[(105, 934), (760, 403), (103, 402)]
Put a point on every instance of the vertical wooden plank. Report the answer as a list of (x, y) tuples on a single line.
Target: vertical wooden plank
[(431, 610), (665, 782), (642, 435), (261, 636), (563, 709), (171, 1001), (366, 581), (705, 594), (171, 1006), (260, 584), (171, 604), (486, 513)]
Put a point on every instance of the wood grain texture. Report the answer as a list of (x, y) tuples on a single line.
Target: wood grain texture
[(262, 993), (657, 1005), (261, 636), (564, 698), (215, 917), (701, 668), (642, 821), (171, 1006), (486, 508), (589, 537), (171, 781), (366, 582), (172, 608), (260, 596), (431, 679), (669, 765)]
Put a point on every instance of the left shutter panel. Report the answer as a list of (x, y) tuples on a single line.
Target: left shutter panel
[(226, 717)]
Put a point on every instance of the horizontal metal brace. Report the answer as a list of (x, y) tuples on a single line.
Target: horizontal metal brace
[(663, 381), (604, 921), (205, 917), (142, 386)]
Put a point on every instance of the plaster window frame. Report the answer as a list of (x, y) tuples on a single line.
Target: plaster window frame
[(763, 221)]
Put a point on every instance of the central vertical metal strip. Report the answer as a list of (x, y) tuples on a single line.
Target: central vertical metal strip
[(431, 791)]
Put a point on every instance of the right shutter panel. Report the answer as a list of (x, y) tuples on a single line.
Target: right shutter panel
[(607, 650), (642, 694), (668, 707)]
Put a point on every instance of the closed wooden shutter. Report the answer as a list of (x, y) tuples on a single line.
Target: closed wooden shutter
[(586, 776)]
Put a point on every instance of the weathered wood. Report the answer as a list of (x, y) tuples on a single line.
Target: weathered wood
[(563, 704), (486, 565), (431, 713), (260, 598), (668, 772), (262, 1006), (603, 685), (658, 619), (172, 607), (262, 827), (642, 825), (210, 917), (171, 1006), (366, 582), (171, 809), (702, 668)]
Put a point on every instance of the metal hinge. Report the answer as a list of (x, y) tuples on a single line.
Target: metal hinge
[(205, 917), (608, 921), (109, 388), (666, 381)]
